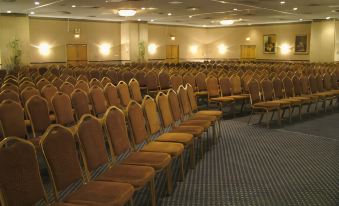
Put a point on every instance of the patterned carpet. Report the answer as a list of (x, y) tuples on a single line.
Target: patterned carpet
[(252, 165)]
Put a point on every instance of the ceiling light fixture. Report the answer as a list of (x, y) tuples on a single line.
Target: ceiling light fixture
[(139, 19), (328, 17), (248, 38), (295, 8), (282, 2), (32, 13), (37, 3), (143, 8), (127, 12), (175, 2), (189, 16), (8, 12), (301, 19), (152, 20), (169, 14), (235, 9), (73, 6), (227, 22)]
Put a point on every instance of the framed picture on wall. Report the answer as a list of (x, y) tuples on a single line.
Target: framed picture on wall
[(301, 44), (270, 41)]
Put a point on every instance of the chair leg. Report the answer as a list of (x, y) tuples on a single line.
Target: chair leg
[(152, 191), (242, 106), (201, 147), (192, 150), (261, 117), (272, 115), (182, 170), (219, 124), (300, 108), (214, 132), (169, 179), (290, 114), (267, 120), (249, 119), (131, 202), (279, 116)]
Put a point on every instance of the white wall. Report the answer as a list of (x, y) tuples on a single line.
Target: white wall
[(337, 41)]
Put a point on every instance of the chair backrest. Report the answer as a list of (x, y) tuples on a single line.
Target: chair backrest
[(267, 89), (94, 73), (124, 94), (327, 81), (12, 119), (41, 83), (67, 88), (81, 84), (164, 109), (200, 82), (9, 94), (191, 97), (254, 89), (127, 76), (152, 81), (27, 93), (57, 82), (135, 90), (82, 77), (71, 80), (151, 114), (164, 80), (320, 83), (225, 86), (189, 79), (288, 85), (184, 100), (48, 92), (80, 103), (112, 96), (105, 81), (334, 81), (113, 76), (62, 108), (137, 122), (116, 130), (297, 86), (25, 84), (8, 86), (236, 84), (174, 104), (278, 87), (305, 85), (20, 179), (38, 113), (60, 152), (95, 82), (92, 142), (212, 87), (313, 83), (141, 77), (98, 100)]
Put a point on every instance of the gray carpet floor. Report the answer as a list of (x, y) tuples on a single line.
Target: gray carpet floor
[(297, 164)]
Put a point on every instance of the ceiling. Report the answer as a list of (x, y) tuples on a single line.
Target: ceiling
[(201, 13)]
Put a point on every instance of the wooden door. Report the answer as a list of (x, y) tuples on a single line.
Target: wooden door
[(76, 54), (172, 53), (247, 52)]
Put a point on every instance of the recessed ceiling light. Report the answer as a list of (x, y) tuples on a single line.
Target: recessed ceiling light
[(8, 12), (139, 19), (227, 22), (127, 12), (235, 9), (248, 38), (295, 8), (152, 20), (204, 25), (73, 6), (240, 19), (282, 2), (169, 14), (328, 17), (143, 8), (175, 2), (301, 19), (333, 11), (37, 3), (32, 12), (189, 16)]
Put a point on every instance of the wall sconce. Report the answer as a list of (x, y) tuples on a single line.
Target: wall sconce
[(194, 49), (172, 38), (105, 49), (222, 49), (152, 48), (76, 33), (44, 49), (285, 49)]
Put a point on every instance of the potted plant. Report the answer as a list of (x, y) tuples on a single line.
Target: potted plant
[(141, 46)]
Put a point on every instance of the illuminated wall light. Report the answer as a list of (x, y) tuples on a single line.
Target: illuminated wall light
[(194, 49), (44, 49), (285, 49), (227, 22), (105, 49), (127, 12), (152, 48), (76, 33), (37, 3), (172, 38), (222, 49), (248, 39)]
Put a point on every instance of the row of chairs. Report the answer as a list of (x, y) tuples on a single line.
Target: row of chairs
[(150, 149)]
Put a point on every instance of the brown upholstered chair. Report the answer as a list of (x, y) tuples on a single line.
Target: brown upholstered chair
[(116, 131), (71, 80), (48, 92), (164, 80), (92, 143), (176, 81), (98, 101), (67, 88), (41, 83), (9, 94), (57, 82), (154, 127), (214, 95), (81, 84), (27, 93), (188, 78), (140, 135), (38, 113), (105, 81), (8, 86), (152, 83), (112, 96), (60, 152), (226, 89), (127, 76), (124, 94), (135, 90), (25, 84), (80, 103), (113, 76), (95, 82), (200, 81)]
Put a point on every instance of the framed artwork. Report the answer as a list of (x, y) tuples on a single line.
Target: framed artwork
[(270, 41), (301, 44)]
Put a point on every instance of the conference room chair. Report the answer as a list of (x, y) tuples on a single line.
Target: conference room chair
[(9, 86), (57, 82), (104, 81), (201, 85), (98, 101), (80, 103), (9, 94), (135, 90), (61, 156), (164, 80), (27, 93), (152, 83), (176, 81), (71, 80), (95, 82), (112, 96), (113, 76), (98, 165), (124, 94), (41, 83), (67, 88), (24, 84), (83, 85)]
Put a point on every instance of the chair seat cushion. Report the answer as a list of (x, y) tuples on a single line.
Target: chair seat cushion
[(204, 117), (293, 100), (240, 97), (137, 176), (171, 148), (267, 104), (152, 159), (183, 138), (201, 123), (102, 193), (64, 204), (216, 113), (202, 93), (194, 130), (222, 99)]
